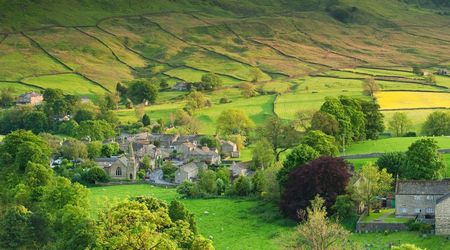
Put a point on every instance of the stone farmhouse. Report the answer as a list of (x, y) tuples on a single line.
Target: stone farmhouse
[(189, 171), (425, 200), (229, 149), (30, 98)]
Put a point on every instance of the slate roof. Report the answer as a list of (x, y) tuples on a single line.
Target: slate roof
[(443, 198), (417, 187)]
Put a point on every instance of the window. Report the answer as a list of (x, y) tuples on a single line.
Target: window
[(430, 210), (118, 171), (416, 197), (429, 197), (403, 210), (417, 210)]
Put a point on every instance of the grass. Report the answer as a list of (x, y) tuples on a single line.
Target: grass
[(69, 83), (234, 223), (192, 75), (391, 145), (385, 215), (405, 100), (417, 117), (230, 223), (18, 88)]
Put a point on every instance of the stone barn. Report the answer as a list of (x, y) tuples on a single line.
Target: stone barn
[(443, 215)]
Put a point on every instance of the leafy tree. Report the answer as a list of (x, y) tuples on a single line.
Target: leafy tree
[(370, 184), (69, 128), (209, 141), (177, 211), (201, 243), (281, 135), (35, 121), (146, 120), (437, 124), (353, 110), (318, 232), (110, 149), (94, 175), (146, 163), (326, 176), (121, 89), (110, 101), (374, 119), (97, 130), (211, 81), (344, 207), (140, 91), (196, 100), (74, 150), (266, 184), (399, 123), (7, 97), (325, 123), (334, 107), (234, 122), (370, 86), (242, 186), (423, 161), (207, 182), (16, 228), (85, 114), (417, 70), (303, 119), (248, 89), (263, 156), (224, 174), (188, 189), (299, 156), (322, 143), (181, 118), (193, 127), (392, 162), (94, 149), (169, 170)]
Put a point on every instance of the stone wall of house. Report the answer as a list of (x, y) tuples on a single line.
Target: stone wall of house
[(406, 205), (443, 217)]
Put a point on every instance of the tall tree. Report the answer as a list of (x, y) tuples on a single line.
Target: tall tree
[(437, 124), (326, 176), (262, 154), (370, 86), (280, 134), (326, 123), (334, 107), (320, 233), (374, 119), (141, 91), (399, 123), (234, 122), (211, 81), (299, 156), (423, 161), (371, 183), (322, 143)]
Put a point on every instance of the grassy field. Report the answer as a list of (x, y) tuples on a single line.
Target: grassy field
[(391, 145), (18, 88), (245, 223)]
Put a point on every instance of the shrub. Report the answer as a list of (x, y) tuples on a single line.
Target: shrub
[(242, 186), (94, 175), (188, 189), (224, 100)]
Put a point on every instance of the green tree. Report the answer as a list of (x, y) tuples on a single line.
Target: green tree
[(97, 130), (141, 91), (298, 156), (281, 135), (371, 183), (85, 114), (177, 211), (94, 175), (437, 124), (74, 150), (146, 163), (209, 141), (234, 122), (69, 128), (146, 120), (399, 123), (320, 233), (207, 183), (374, 119), (242, 186), (211, 81), (322, 143), (248, 89), (7, 97), (392, 162), (262, 154), (35, 121), (94, 149), (334, 107), (197, 100), (325, 123), (110, 149), (169, 170), (16, 228), (370, 87), (344, 207), (423, 161)]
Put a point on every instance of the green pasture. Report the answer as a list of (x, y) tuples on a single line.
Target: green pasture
[(192, 75), (69, 83), (18, 88), (417, 117), (241, 223)]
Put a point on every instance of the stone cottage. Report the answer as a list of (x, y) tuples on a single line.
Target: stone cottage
[(31, 98), (189, 171), (442, 216), (228, 148), (416, 197)]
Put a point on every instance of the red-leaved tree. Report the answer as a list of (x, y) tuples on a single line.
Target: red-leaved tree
[(327, 177)]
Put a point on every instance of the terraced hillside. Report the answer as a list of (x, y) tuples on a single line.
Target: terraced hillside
[(300, 50)]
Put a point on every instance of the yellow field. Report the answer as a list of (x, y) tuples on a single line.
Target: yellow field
[(405, 99)]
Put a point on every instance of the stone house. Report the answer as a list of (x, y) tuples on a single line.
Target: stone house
[(180, 86), (189, 171), (189, 151), (442, 217), (228, 148), (31, 98), (415, 197), (443, 72), (240, 169)]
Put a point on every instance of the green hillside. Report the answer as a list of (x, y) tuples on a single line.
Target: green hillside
[(303, 50)]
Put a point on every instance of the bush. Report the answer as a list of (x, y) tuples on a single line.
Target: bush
[(419, 227), (188, 189), (169, 171), (242, 186), (94, 175), (224, 100), (410, 134)]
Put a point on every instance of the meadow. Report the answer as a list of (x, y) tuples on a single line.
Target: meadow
[(245, 223)]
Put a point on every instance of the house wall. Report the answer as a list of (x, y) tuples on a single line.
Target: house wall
[(409, 205), (443, 217), (180, 176)]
